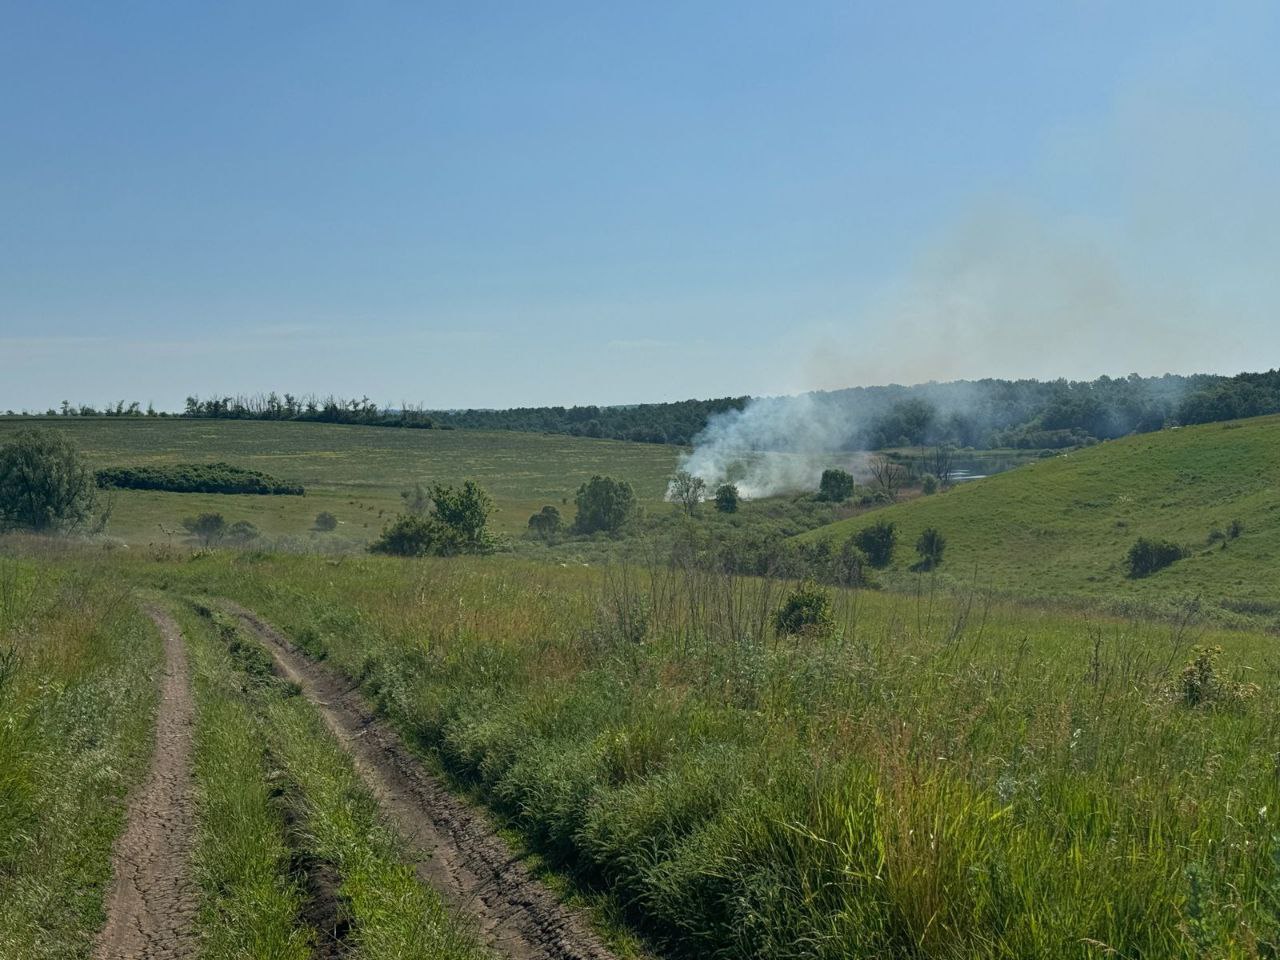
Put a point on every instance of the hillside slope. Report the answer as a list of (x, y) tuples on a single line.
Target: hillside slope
[(1062, 527)]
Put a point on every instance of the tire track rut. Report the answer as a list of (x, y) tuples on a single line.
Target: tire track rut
[(457, 852), (151, 906)]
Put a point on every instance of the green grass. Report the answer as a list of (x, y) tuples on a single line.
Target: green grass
[(356, 473), (939, 778), (77, 698), (1062, 526), (262, 750), (250, 897)]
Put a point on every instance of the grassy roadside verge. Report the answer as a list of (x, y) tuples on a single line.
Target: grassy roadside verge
[(328, 857), (78, 664), (930, 780)]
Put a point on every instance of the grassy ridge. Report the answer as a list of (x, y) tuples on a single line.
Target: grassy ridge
[(1063, 526), (937, 779), (77, 698), (356, 473)]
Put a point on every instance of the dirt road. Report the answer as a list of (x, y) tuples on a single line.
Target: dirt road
[(458, 853), (153, 899)]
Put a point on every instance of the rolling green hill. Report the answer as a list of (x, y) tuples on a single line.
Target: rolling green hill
[(354, 472), (1062, 526)]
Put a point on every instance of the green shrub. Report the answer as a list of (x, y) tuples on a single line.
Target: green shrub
[(411, 535), (836, 485), (45, 483), (604, 504), (196, 478), (457, 523), (807, 610), (326, 521), (546, 523), (1147, 556), (877, 542), (930, 547), (929, 485), (727, 498), (208, 528)]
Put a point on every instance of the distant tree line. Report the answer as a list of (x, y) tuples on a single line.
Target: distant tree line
[(1026, 414), (677, 423)]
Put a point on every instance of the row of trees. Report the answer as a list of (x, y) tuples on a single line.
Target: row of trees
[(1028, 414)]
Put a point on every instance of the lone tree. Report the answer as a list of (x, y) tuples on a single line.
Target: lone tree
[(930, 547), (604, 504), (687, 490), (836, 485), (546, 523), (727, 498), (45, 483)]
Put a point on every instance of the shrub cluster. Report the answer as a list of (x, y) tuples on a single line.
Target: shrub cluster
[(1147, 556), (457, 523), (196, 478)]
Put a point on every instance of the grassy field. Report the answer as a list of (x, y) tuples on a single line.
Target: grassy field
[(77, 695), (937, 777), (356, 473), (1062, 526)]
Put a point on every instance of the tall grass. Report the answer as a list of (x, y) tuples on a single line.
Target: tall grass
[(938, 778), (250, 896), (77, 697), (286, 798)]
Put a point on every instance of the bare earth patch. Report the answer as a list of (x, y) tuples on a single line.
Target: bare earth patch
[(458, 852), (152, 903)]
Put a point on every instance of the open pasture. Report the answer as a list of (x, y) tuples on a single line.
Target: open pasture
[(354, 472)]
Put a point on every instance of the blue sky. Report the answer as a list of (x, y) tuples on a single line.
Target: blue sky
[(502, 204)]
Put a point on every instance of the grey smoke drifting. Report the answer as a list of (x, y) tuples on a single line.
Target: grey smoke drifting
[(775, 445), (1144, 239)]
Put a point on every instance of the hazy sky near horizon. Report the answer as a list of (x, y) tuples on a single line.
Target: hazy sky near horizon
[(498, 204)]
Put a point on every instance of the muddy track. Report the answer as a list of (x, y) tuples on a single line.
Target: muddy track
[(152, 903), (457, 852)]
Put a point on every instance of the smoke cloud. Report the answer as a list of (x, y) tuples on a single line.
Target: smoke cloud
[(1143, 241)]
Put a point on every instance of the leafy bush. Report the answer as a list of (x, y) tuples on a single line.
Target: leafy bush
[(464, 510), (930, 547), (413, 535), (604, 504), (45, 483), (806, 610), (877, 542), (727, 498), (546, 523), (208, 528), (196, 478), (326, 521), (836, 485), (1147, 556), (929, 485), (1234, 529), (458, 523)]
